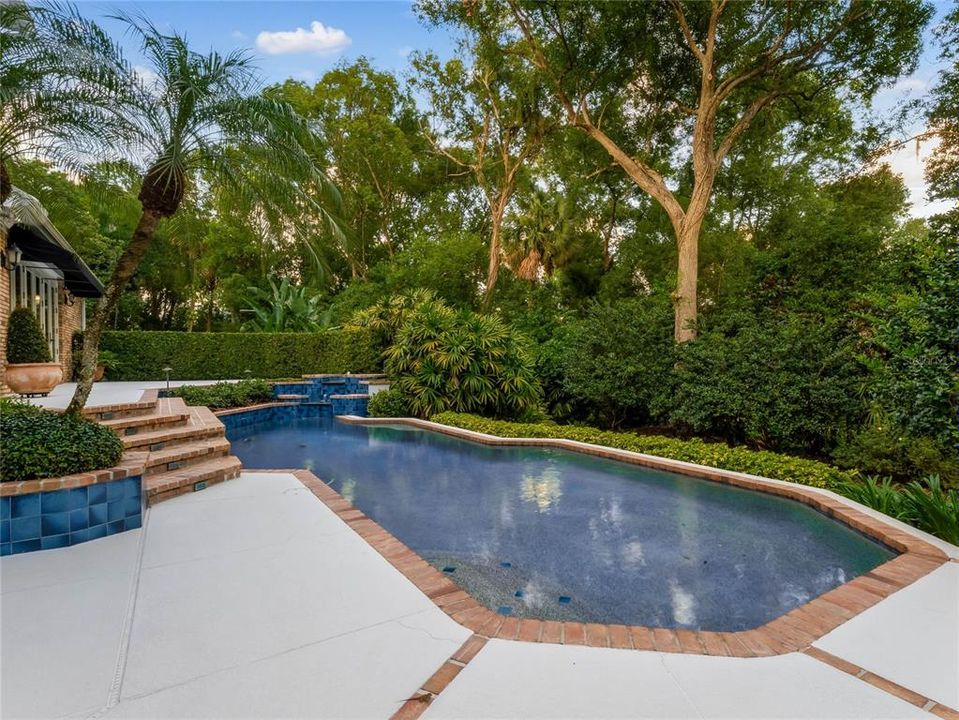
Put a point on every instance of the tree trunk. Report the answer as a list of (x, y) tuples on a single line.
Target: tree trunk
[(492, 274), (684, 299), (125, 268)]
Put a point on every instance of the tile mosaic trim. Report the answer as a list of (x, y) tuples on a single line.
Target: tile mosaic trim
[(60, 518)]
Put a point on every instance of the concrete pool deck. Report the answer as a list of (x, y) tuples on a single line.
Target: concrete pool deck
[(254, 599)]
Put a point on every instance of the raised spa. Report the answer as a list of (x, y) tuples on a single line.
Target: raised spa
[(550, 534)]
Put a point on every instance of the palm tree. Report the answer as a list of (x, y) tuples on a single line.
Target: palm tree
[(195, 121), (57, 86), (542, 237)]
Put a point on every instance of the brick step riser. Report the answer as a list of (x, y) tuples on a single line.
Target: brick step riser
[(156, 444), (212, 479), (123, 432), (186, 463), (117, 414)]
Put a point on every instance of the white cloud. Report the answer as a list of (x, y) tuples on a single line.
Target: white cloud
[(909, 161), (238, 35), (319, 39)]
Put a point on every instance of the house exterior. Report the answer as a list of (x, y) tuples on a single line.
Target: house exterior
[(39, 270)]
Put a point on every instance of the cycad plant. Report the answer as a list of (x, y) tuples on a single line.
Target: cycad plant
[(284, 308), (194, 121), (461, 361)]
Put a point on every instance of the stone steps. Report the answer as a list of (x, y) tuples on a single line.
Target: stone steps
[(133, 425), (183, 448), (170, 484), (185, 455)]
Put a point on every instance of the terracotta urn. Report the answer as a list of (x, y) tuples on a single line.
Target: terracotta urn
[(98, 374), (33, 378)]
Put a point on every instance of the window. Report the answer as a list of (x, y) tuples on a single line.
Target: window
[(37, 286)]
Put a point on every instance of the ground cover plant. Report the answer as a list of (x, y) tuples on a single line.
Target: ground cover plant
[(41, 443), (221, 395)]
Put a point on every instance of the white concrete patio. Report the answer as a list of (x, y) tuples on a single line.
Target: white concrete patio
[(111, 393), (252, 599)]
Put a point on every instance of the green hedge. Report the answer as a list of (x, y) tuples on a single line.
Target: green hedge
[(718, 455), (41, 443), (217, 356), (222, 395)]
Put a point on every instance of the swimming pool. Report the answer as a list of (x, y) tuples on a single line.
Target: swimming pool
[(551, 534)]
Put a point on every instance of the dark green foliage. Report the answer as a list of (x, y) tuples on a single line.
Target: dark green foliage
[(76, 352), (40, 443), (787, 383), (719, 455), (215, 356), (447, 360), (388, 403), (926, 504), (227, 394), (615, 365), (25, 341)]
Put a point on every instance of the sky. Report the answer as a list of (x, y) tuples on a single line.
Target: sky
[(302, 40)]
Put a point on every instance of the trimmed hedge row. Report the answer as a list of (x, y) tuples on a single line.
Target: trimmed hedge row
[(718, 455), (40, 443), (222, 395), (220, 356)]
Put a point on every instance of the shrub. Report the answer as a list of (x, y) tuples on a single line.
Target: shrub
[(385, 318), (615, 365), (926, 504), (719, 455), (780, 383), (226, 394), (220, 356), (388, 403), (448, 360), (25, 341), (40, 443)]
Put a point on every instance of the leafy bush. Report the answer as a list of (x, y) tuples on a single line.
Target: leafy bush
[(40, 443), (216, 356), (388, 403), (385, 318), (927, 504), (448, 360), (616, 363), (719, 455), (284, 308), (226, 394), (780, 383), (25, 341)]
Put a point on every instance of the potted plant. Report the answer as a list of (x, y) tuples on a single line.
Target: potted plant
[(29, 370), (106, 360)]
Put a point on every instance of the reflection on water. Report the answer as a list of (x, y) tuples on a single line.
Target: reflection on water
[(557, 535), (544, 490)]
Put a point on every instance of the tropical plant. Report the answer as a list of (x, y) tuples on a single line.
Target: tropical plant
[(878, 493), (447, 360), (385, 318), (25, 341), (284, 308), (199, 120), (55, 91)]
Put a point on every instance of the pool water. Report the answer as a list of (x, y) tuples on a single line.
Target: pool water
[(551, 534)]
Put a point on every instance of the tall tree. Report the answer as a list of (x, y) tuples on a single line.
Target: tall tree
[(692, 77), (202, 118), (942, 170), (488, 122)]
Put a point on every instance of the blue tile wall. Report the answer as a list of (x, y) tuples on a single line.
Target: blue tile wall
[(321, 388), (58, 518), (237, 421), (350, 406)]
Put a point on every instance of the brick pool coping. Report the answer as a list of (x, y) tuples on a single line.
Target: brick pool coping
[(791, 632)]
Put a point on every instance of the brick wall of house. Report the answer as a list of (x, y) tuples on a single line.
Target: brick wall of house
[(4, 315), (71, 317)]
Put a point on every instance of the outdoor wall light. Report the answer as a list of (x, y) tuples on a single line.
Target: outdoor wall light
[(68, 298), (11, 258), (167, 370)]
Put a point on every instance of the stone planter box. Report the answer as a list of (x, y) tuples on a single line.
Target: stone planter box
[(58, 512)]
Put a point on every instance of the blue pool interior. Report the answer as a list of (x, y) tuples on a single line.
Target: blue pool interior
[(536, 532)]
